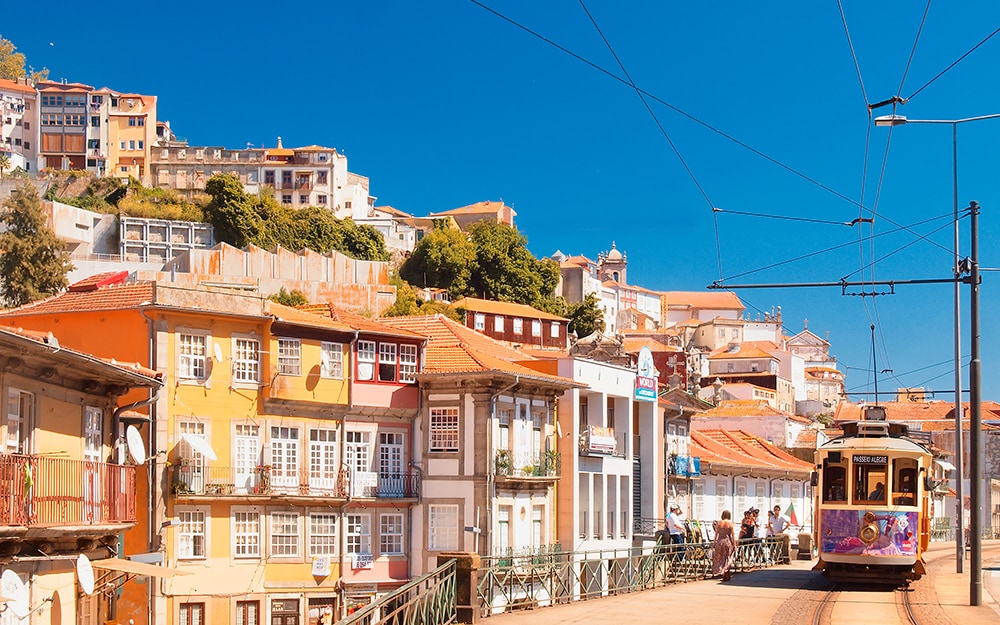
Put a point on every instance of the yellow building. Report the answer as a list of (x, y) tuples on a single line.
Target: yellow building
[(282, 478), (131, 133)]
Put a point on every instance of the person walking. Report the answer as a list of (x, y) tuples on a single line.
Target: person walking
[(725, 547), (675, 525)]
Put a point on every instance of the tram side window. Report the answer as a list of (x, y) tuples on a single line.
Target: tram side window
[(904, 483), (869, 482), (834, 486)]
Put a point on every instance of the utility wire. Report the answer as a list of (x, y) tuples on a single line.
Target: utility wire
[(896, 251), (913, 50), (850, 44), (959, 60), (790, 218)]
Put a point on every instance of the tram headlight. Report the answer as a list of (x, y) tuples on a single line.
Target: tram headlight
[(869, 533)]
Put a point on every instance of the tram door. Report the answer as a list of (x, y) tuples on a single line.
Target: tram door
[(285, 612)]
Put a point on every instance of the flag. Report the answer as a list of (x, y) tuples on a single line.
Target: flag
[(790, 513)]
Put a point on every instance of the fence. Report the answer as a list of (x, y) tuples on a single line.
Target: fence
[(430, 599)]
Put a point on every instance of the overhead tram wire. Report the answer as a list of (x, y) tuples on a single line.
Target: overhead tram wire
[(659, 125), (828, 222), (957, 61), (898, 250)]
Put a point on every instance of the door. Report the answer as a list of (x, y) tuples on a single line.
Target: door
[(391, 479), (358, 459), (92, 420), (246, 450), (285, 612), (285, 458), (323, 461), (192, 462)]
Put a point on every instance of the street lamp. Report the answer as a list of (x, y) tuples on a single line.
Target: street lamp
[(975, 391)]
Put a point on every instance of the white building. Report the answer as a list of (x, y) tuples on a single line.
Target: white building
[(18, 124)]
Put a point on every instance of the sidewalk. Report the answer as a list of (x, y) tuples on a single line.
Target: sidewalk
[(954, 589)]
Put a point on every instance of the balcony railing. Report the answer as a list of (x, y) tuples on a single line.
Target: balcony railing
[(41, 491), (264, 480), (515, 464)]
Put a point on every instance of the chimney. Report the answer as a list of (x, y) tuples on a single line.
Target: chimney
[(279, 143)]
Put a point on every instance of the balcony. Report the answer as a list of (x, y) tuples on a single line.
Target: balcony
[(518, 465), (42, 491), (264, 481), (601, 441)]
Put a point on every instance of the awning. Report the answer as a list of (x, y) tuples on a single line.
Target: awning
[(944, 464), (136, 568)]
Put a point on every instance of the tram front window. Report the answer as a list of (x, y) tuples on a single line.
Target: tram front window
[(870, 473), (834, 487)]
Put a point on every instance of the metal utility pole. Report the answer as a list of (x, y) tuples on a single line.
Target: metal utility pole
[(975, 424)]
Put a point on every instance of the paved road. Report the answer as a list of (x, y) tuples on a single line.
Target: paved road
[(754, 598)]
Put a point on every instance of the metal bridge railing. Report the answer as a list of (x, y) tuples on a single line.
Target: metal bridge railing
[(540, 580), (429, 599)]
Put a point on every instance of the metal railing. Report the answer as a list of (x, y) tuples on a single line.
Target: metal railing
[(430, 599), (508, 583), (39, 491), (509, 463), (263, 480)]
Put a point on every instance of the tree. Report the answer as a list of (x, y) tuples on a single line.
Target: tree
[(293, 299), (586, 317), (505, 270), (443, 259), (406, 299), (232, 213), (4, 164), (12, 64), (33, 262)]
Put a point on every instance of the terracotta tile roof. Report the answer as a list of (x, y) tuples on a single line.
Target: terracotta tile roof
[(296, 316), (633, 345), (740, 448), (315, 148), (746, 350), (745, 408), (577, 261), (720, 300), (806, 439), (90, 297), (454, 348), (509, 309), (472, 209), (356, 321), (10, 85), (392, 211), (899, 411), (48, 85)]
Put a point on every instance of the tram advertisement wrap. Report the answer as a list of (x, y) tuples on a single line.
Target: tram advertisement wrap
[(897, 533)]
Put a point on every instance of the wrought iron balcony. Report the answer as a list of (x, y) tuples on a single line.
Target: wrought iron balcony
[(526, 464), (264, 481), (38, 491)]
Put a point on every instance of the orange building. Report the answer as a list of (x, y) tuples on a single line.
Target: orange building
[(282, 478)]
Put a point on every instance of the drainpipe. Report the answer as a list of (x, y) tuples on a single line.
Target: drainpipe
[(342, 587), (151, 469)]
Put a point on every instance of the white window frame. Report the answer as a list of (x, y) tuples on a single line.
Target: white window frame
[(536, 328), (554, 331), (442, 527), (358, 538), (20, 420), (246, 533), (285, 447), (443, 429), (518, 325), (324, 458), (390, 534), (366, 351), (331, 360), (284, 520), (478, 321), (386, 359), (407, 363), (289, 356), (192, 534), (192, 365), (323, 532), (246, 360), (498, 323)]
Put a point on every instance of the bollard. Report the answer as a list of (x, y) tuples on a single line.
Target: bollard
[(805, 547), (786, 548), (467, 607)]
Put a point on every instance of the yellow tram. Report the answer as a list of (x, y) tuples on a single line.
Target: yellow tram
[(872, 490)]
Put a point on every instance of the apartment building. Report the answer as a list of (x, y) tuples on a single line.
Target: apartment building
[(284, 487), (69, 486), (19, 124), (64, 118), (128, 133), (517, 324)]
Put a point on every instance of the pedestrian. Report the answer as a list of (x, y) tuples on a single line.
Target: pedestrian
[(675, 525), (725, 547), (776, 522)]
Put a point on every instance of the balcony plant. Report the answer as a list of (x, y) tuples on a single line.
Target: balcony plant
[(502, 462)]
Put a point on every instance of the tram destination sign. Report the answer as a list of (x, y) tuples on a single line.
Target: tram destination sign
[(870, 459)]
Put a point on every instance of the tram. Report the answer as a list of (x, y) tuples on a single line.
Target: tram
[(872, 488)]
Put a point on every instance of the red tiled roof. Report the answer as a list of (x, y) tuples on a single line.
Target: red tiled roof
[(47, 338), (296, 316), (472, 209), (505, 308), (745, 408), (454, 348), (633, 345), (898, 411), (10, 85), (355, 321), (742, 449), (720, 300), (746, 350), (117, 296)]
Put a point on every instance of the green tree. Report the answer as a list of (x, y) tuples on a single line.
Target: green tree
[(4, 164), (444, 259), (406, 299), (33, 263), (505, 270), (364, 241), (12, 64), (232, 213), (295, 298), (586, 317)]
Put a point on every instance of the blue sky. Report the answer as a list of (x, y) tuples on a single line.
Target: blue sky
[(443, 104)]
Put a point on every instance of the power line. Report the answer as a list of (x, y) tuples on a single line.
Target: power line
[(945, 70)]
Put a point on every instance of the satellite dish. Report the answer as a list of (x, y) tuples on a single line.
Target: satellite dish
[(218, 352), (136, 448), (85, 573), (200, 445), (11, 586)]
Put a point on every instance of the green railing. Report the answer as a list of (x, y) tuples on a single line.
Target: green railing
[(429, 600), (508, 583)]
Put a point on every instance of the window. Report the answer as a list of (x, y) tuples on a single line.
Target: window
[(554, 330), (321, 177), (20, 415), (191, 357), (322, 534), (444, 430), (286, 198), (442, 527), (407, 363), (323, 464), (498, 323), (518, 325), (366, 360), (269, 177), (246, 534), (131, 144), (386, 362), (536, 327), (192, 614), (332, 360), (479, 321), (284, 456), (289, 361), (321, 199), (247, 613), (141, 144), (359, 538), (286, 178), (536, 526), (284, 534), (191, 534), (246, 361), (358, 444), (390, 534), (131, 121), (303, 198), (503, 530)]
